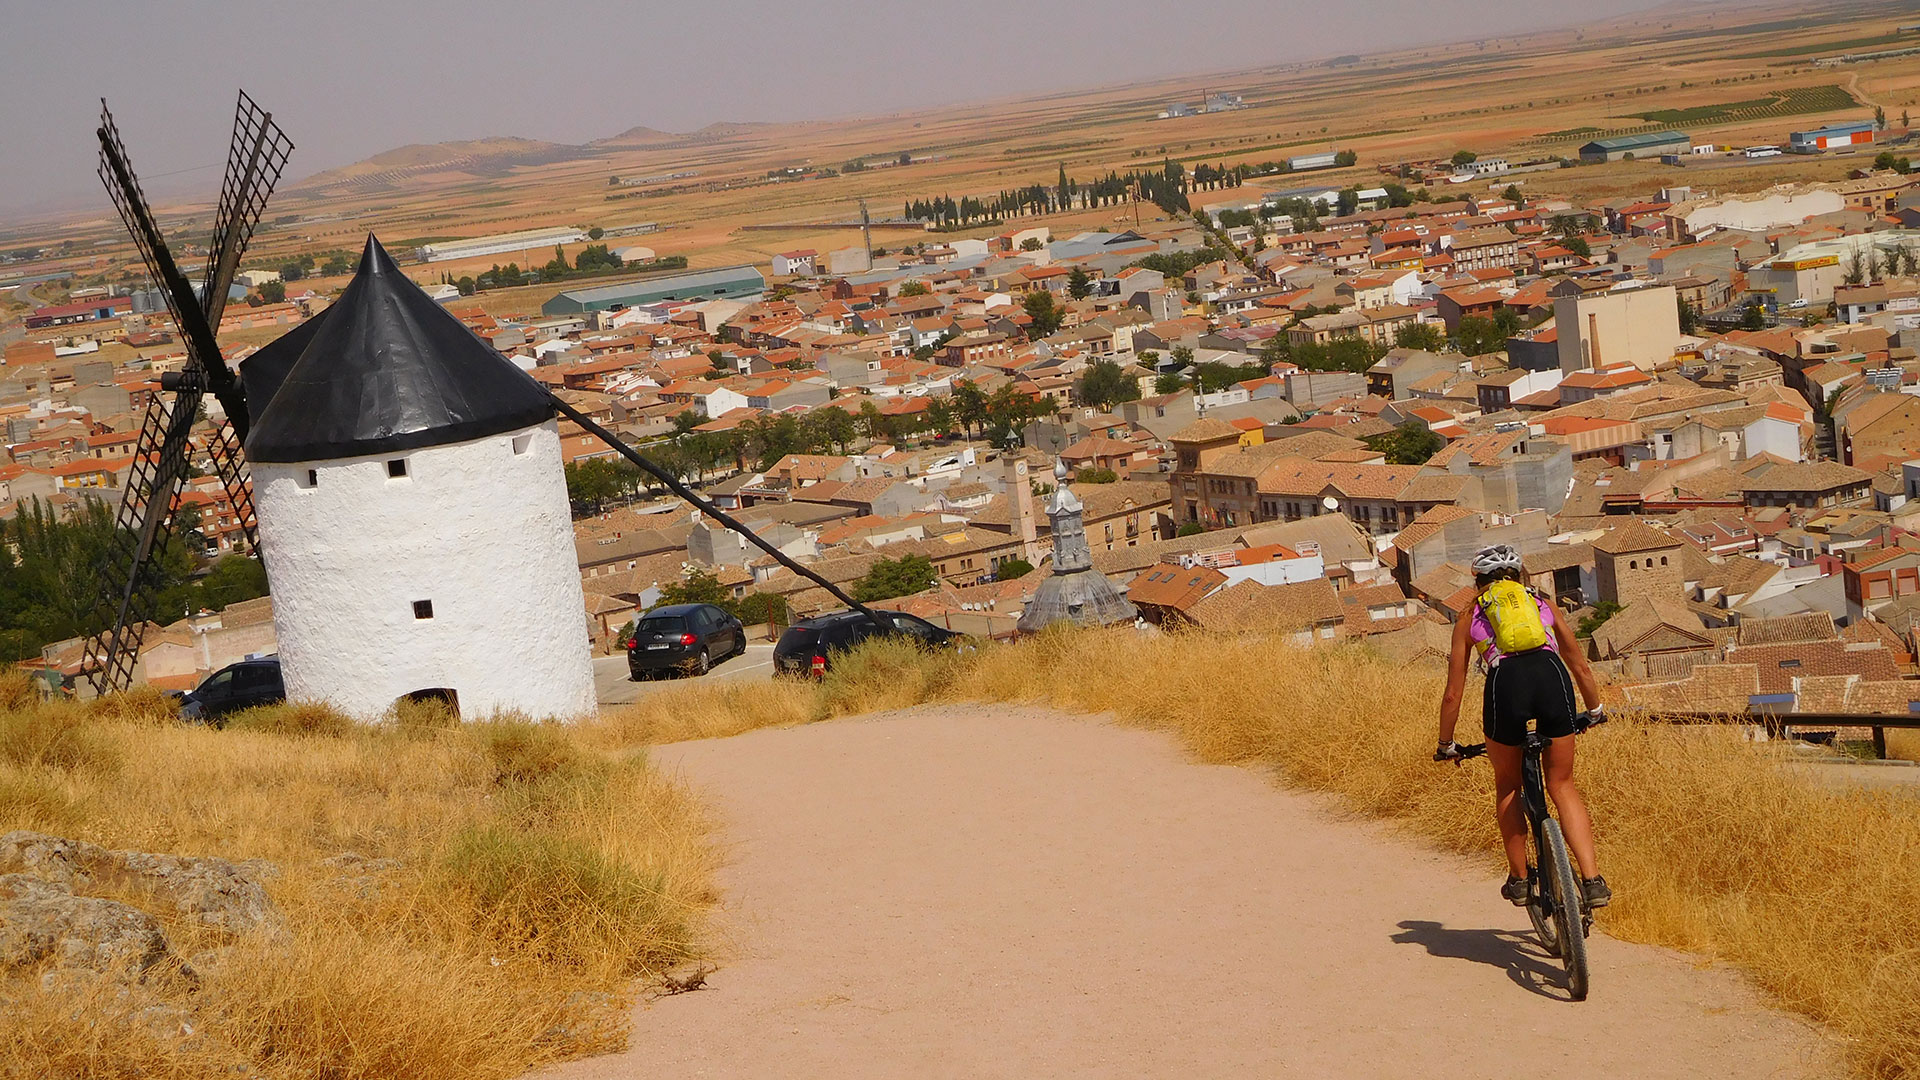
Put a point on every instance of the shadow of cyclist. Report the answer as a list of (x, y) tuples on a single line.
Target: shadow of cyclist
[(1520, 957)]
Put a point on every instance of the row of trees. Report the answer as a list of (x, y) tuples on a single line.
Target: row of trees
[(49, 575), (1165, 187)]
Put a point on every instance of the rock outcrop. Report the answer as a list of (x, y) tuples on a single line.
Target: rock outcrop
[(43, 922), (214, 892)]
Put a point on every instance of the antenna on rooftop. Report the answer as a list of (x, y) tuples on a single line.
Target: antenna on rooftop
[(129, 583)]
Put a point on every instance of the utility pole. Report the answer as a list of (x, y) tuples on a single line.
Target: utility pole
[(866, 233)]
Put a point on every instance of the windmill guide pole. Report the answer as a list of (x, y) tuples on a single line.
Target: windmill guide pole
[(674, 485)]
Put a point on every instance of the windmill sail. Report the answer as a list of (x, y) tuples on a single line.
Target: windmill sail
[(129, 578)]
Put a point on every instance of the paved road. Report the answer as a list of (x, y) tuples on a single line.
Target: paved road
[(1001, 891), (615, 688)]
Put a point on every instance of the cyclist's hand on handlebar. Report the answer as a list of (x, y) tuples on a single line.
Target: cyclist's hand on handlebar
[(1592, 718), (1456, 753)]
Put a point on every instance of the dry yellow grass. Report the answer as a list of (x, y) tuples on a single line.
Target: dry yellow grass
[(536, 880), (1711, 845), (1903, 745)]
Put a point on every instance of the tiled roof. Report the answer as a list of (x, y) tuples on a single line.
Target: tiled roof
[(1805, 626), (1632, 536), (1252, 606), (1172, 586)]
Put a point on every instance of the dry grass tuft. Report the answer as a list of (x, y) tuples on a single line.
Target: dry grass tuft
[(531, 877), (295, 718)]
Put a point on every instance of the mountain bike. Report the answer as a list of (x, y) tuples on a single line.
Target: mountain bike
[(1555, 902)]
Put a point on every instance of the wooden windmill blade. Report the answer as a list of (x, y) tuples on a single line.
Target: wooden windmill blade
[(255, 157), (129, 578)]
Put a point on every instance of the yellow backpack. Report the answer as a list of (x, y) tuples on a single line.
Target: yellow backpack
[(1514, 616)]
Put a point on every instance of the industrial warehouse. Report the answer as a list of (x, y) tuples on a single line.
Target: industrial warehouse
[(729, 281), (1649, 145)]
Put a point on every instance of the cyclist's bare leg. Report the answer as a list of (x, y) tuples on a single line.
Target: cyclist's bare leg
[(1507, 804), (1574, 822)]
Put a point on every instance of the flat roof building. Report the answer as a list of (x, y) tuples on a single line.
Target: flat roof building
[(532, 241), (729, 281), (1832, 137), (1649, 145)]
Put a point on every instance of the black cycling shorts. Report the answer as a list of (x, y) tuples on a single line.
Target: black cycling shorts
[(1533, 685)]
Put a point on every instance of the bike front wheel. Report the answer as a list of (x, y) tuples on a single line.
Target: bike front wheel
[(1556, 871)]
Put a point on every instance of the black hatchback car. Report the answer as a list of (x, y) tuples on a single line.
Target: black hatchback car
[(807, 647), (233, 688), (683, 637)]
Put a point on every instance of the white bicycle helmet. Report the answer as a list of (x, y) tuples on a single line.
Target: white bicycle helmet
[(1492, 560)]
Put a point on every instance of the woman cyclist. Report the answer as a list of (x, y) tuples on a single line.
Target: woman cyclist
[(1534, 684)]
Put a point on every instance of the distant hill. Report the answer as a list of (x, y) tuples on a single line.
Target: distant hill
[(492, 156)]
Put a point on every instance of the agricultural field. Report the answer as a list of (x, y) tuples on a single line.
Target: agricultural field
[(1712, 72)]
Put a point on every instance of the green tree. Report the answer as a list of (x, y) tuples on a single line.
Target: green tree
[(1879, 118), (1409, 444), (1106, 384), (1079, 284), (1096, 476), (1044, 311), (1754, 317), (1602, 611), (1578, 245), (594, 482), (466, 286), (1031, 243), (888, 578), (1465, 157), (273, 292), (1191, 528), (1689, 317), (1169, 382), (914, 288), (1512, 195), (1346, 158), (698, 587), (595, 233), (969, 405), (1012, 569), (1428, 336), (340, 264)]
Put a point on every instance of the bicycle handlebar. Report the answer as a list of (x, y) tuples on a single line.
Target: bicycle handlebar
[(1582, 723)]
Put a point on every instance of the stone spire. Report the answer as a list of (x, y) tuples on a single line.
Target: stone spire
[(1074, 591)]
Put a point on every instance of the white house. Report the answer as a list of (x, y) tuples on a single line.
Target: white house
[(799, 263), (413, 513), (719, 401)]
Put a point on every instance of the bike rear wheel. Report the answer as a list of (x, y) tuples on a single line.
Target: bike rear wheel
[(1556, 870), (1540, 911)]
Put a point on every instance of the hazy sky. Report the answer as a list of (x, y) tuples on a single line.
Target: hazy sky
[(350, 79)]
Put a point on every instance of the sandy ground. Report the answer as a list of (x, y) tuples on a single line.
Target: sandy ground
[(980, 892)]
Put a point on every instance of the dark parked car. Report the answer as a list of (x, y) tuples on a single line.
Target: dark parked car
[(233, 688), (683, 637), (807, 647)]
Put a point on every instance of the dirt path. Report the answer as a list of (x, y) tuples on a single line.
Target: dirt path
[(988, 891)]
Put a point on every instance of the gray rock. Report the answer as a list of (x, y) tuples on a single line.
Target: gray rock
[(213, 892), (43, 922)]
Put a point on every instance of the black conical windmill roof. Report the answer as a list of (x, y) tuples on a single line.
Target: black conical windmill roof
[(389, 370)]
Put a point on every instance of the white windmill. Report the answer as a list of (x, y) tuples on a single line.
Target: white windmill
[(413, 512)]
